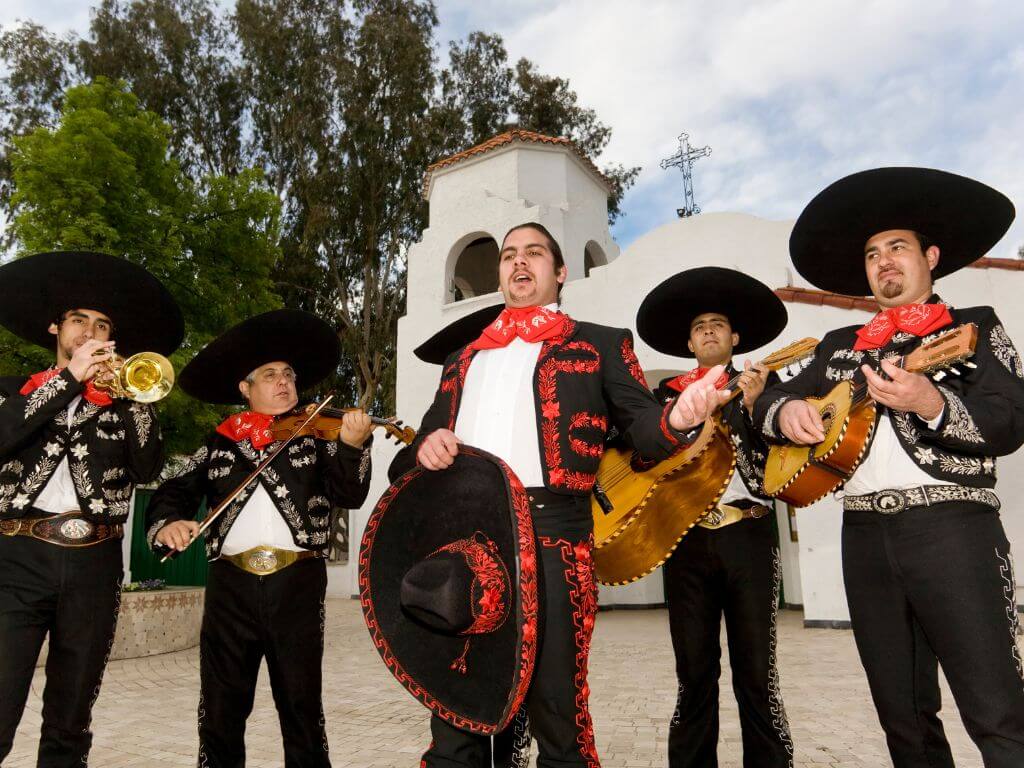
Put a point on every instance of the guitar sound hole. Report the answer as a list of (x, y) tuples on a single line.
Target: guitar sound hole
[(828, 415)]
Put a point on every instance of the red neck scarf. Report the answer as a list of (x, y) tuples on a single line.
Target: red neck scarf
[(679, 383), (93, 395), (918, 319), (531, 324), (248, 424)]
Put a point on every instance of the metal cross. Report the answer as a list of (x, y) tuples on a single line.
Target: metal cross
[(684, 160)]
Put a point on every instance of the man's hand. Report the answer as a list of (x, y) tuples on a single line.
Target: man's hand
[(698, 401), (178, 535), (801, 423), (85, 363), (752, 382), (909, 392), (438, 449), (355, 428)]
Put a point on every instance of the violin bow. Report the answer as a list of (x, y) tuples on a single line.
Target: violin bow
[(226, 501)]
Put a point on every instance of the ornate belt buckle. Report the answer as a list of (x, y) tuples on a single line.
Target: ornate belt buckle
[(889, 502), (714, 518), (262, 561), (76, 529)]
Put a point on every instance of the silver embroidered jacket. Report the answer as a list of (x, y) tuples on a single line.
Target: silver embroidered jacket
[(984, 405), (109, 448), (306, 482), (751, 448)]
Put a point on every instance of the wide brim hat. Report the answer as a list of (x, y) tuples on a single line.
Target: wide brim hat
[(456, 335), (36, 290), (963, 217), (298, 338), (753, 309), (428, 528)]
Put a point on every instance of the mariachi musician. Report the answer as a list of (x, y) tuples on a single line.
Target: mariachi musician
[(729, 563), (70, 457), (267, 581), (540, 391), (926, 563)]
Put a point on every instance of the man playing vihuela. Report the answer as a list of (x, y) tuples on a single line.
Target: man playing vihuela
[(541, 390), (728, 565), (70, 457), (267, 579), (926, 563)]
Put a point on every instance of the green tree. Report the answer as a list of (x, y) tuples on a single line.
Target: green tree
[(341, 104), (103, 179)]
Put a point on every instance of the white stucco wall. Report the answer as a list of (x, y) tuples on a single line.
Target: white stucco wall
[(611, 295)]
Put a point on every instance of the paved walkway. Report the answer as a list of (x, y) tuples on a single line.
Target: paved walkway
[(145, 715)]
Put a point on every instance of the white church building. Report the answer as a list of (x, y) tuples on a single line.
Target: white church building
[(477, 195)]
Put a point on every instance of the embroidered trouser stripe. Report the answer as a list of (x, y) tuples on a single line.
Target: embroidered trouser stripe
[(73, 594), (733, 573), (925, 587), (248, 618)]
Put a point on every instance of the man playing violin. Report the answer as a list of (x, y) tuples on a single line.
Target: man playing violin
[(70, 457), (728, 564), (267, 580), (927, 566), (541, 391)]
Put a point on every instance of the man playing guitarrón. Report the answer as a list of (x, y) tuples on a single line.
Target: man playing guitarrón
[(926, 563), (729, 563), (267, 582), (541, 391), (70, 457)]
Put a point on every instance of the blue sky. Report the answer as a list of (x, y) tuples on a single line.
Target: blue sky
[(790, 94)]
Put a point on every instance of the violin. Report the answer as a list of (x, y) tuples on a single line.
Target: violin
[(327, 424)]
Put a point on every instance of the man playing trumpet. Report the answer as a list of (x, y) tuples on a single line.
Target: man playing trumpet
[(267, 582), (70, 457)]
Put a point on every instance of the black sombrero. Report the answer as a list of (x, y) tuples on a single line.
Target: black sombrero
[(298, 338), (963, 217), (753, 309), (456, 335), (36, 290), (448, 583)]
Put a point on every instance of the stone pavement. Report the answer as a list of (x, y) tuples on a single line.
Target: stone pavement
[(146, 711)]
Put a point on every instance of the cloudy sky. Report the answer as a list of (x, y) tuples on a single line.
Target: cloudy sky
[(790, 94)]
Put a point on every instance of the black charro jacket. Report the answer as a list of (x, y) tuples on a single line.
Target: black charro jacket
[(984, 405), (751, 447), (109, 448), (306, 482), (587, 381)]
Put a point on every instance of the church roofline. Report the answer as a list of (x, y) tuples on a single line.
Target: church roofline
[(514, 136)]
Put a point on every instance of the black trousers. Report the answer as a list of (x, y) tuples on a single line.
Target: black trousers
[(72, 594), (557, 702), (733, 571), (248, 618), (929, 586)]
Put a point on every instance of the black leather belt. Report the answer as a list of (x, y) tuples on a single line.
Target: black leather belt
[(68, 529), (894, 501)]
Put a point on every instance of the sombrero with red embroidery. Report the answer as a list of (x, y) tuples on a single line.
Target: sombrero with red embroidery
[(456, 335), (666, 313), (963, 217), (448, 583)]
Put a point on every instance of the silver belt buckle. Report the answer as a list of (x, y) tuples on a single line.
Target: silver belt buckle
[(76, 529), (889, 502), (263, 561)]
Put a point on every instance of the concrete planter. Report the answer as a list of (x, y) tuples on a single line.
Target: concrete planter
[(155, 622)]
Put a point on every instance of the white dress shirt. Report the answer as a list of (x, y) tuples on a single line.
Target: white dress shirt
[(887, 466), (58, 495), (498, 412), (258, 524)]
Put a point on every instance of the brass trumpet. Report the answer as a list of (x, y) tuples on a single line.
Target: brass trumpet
[(144, 377)]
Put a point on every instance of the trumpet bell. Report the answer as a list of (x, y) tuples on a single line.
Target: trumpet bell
[(146, 377)]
